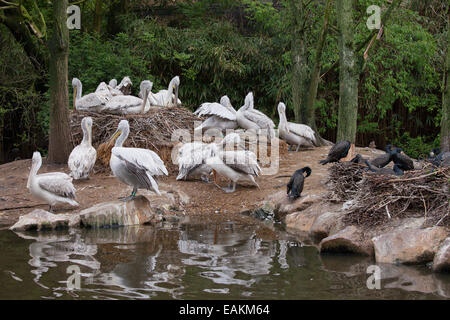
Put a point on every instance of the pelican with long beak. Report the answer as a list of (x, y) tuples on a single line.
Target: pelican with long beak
[(249, 118), (167, 98), (93, 101), (136, 167), (82, 158)]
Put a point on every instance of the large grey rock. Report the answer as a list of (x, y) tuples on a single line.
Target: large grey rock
[(349, 240), (408, 246), (441, 262), (40, 219), (119, 213), (328, 223)]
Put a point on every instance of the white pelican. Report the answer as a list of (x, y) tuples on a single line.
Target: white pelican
[(52, 187), (294, 133), (251, 119), (82, 158), (113, 83), (236, 165), (124, 86), (134, 166), (166, 98), (126, 104), (221, 115), (93, 101), (192, 157)]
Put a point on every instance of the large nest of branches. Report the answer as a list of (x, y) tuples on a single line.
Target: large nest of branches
[(375, 199), (152, 130)]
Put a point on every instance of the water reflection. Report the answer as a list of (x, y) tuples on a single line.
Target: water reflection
[(196, 262)]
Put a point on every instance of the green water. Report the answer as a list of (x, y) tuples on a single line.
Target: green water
[(191, 261)]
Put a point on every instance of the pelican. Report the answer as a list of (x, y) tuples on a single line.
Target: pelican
[(192, 157), (113, 83), (134, 166), (52, 187), (166, 98), (93, 101), (126, 104), (221, 115), (82, 158), (236, 165), (124, 86), (294, 133), (251, 119)]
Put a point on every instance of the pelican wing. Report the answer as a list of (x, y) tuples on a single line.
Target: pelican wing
[(91, 100), (142, 159), (120, 104), (302, 130), (191, 156), (256, 116), (242, 160), (215, 109), (82, 160), (57, 183), (102, 87)]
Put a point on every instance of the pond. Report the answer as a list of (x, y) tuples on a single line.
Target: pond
[(194, 261)]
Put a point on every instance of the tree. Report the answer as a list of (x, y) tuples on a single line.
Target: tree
[(445, 122), (59, 137)]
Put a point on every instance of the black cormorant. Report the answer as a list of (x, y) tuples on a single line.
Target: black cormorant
[(337, 152), (402, 160), (396, 171), (295, 184)]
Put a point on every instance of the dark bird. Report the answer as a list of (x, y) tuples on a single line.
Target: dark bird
[(402, 160), (337, 152), (295, 185), (435, 152), (384, 159), (358, 159), (438, 158), (396, 171)]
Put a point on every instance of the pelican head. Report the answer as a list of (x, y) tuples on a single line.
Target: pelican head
[(86, 126), (36, 162), (113, 83), (77, 87), (145, 88), (249, 100), (121, 134), (282, 114), (126, 81), (175, 84), (225, 101)]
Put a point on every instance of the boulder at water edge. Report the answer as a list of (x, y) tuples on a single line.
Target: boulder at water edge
[(441, 262), (40, 219)]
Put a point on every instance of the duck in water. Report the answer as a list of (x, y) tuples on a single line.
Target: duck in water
[(295, 184)]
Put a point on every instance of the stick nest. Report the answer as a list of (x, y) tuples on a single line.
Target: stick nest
[(373, 199)]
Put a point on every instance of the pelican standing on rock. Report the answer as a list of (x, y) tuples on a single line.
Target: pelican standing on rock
[(93, 101), (134, 166), (52, 187), (221, 115), (166, 98), (236, 165), (82, 158), (125, 104), (251, 119), (294, 133)]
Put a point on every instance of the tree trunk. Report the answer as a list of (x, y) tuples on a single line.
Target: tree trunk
[(348, 74), (445, 122), (299, 67), (310, 117), (98, 16), (59, 137)]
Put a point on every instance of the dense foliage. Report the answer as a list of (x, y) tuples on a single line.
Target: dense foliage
[(232, 47)]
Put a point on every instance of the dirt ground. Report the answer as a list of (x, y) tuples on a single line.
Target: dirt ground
[(206, 200)]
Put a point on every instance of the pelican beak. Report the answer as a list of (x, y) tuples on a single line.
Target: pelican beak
[(176, 96), (114, 137), (214, 176), (74, 97)]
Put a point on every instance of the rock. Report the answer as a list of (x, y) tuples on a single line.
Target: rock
[(327, 224), (408, 246), (119, 213), (441, 262), (282, 205), (40, 219), (301, 221), (348, 240)]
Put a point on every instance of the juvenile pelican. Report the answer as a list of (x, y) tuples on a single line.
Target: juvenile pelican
[(238, 166), (134, 166), (251, 119), (166, 98), (82, 158), (221, 115), (126, 104), (294, 133), (93, 101), (124, 86), (52, 187)]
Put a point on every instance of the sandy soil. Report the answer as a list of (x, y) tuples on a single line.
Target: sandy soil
[(206, 200)]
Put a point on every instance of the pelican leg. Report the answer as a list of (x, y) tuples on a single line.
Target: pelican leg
[(50, 209), (204, 179), (130, 197), (230, 190), (298, 147)]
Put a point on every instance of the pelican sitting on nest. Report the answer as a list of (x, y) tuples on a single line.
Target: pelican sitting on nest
[(126, 104), (124, 86), (192, 157), (52, 187), (251, 119), (221, 115), (294, 133), (134, 166), (93, 101), (238, 166), (82, 158), (166, 98)]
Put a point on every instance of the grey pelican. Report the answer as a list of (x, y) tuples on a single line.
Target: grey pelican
[(134, 166), (82, 158), (337, 152), (236, 165), (52, 187), (166, 98), (294, 133), (221, 115), (125, 104), (251, 119), (93, 101)]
